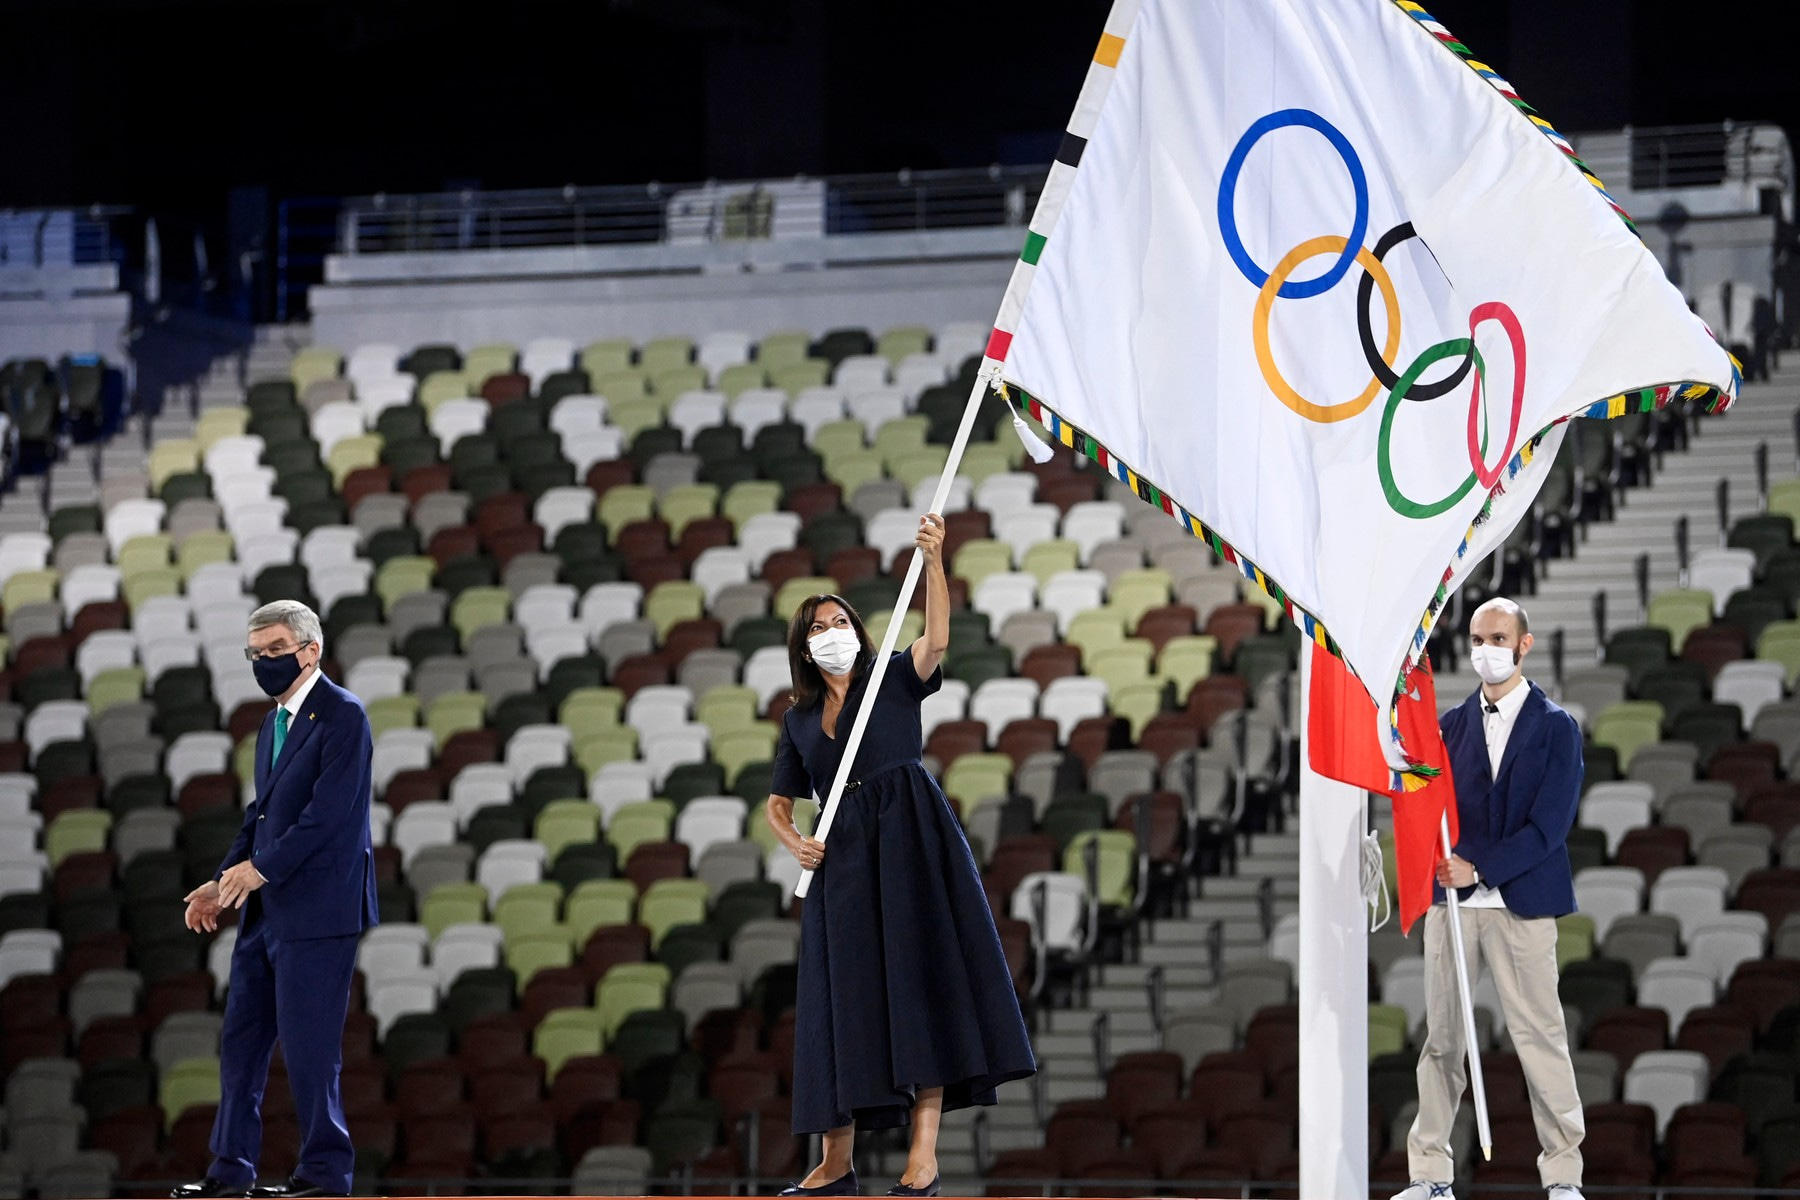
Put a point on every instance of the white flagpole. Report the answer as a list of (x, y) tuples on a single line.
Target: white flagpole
[(1332, 978), (878, 671), (1466, 989)]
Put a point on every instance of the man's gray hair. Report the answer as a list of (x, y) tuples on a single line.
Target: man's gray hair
[(1511, 607), (299, 620)]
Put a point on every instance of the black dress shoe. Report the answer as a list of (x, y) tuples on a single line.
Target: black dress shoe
[(295, 1187), (843, 1185), (930, 1189), (205, 1187)]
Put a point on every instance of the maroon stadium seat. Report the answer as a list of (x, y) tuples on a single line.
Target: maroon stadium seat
[(950, 740), (1653, 849), (613, 472), (1026, 736), (1626, 1033), (507, 1086), (1721, 1033), (364, 482), (703, 534), (435, 1085), (1141, 1082), (1158, 625), (1227, 1082), (610, 945), (1170, 733), (1081, 1133), (1049, 662)]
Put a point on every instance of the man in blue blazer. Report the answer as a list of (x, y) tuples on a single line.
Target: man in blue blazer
[(1516, 759), (303, 871)]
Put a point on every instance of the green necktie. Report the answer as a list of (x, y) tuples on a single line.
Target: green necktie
[(281, 724)]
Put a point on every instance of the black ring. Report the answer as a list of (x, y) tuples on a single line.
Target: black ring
[(1365, 292)]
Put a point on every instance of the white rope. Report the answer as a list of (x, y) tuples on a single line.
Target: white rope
[(1374, 882), (1037, 447), (1034, 445)]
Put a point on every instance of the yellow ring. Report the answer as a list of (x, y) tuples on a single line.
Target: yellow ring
[(1325, 414)]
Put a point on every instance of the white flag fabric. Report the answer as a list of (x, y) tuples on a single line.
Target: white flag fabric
[(1319, 284)]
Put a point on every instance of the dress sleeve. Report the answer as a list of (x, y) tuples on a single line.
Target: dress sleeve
[(789, 777), (902, 665)]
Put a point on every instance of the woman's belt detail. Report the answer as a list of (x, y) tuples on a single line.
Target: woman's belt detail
[(854, 784)]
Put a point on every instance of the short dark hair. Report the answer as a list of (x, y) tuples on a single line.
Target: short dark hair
[(809, 682)]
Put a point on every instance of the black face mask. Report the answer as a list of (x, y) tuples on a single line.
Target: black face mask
[(276, 675)]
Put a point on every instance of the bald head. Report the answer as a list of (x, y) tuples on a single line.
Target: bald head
[(1502, 607)]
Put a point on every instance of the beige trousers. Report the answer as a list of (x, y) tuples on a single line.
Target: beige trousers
[(1520, 954)]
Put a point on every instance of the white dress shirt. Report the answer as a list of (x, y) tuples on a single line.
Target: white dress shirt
[(292, 707), (1497, 718)]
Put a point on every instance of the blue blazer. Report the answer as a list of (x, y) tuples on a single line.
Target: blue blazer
[(1515, 829), (308, 830)]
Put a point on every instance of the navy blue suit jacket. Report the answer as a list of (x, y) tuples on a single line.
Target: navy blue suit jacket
[(308, 830), (1515, 829)]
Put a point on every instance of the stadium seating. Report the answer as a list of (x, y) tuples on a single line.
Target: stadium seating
[(559, 575)]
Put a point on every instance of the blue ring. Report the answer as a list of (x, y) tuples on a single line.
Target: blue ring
[(1292, 289)]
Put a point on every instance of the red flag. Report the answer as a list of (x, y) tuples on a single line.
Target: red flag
[(1343, 744)]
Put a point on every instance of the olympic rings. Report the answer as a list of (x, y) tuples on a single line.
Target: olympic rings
[(1375, 274), (1397, 500), (1359, 227), (1382, 364), (1479, 472), (1350, 250), (1496, 311)]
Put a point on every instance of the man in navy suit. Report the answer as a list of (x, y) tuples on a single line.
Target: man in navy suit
[(1516, 759), (303, 871)]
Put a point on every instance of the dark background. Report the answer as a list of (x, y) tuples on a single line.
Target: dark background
[(211, 115), (168, 104)]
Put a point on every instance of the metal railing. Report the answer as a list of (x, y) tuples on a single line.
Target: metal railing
[(1681, 156), (913, 200), (305, 231), (1684, 156), (471, 220), (1662, 157), (40, 237), (657, 212), (1725, 155)]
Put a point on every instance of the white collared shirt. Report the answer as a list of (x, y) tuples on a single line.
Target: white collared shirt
[(292, 707), (1497, 720)]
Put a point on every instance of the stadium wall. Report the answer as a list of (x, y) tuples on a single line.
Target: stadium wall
[(468, 297), (47, 312)]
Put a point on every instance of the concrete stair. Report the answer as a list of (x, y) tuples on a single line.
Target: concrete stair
[(266, 357)]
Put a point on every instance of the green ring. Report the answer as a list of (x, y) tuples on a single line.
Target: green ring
[(1398, 500)]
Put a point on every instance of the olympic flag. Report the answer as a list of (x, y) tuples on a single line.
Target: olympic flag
[(1316, 282)]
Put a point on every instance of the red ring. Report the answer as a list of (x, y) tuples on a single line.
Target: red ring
[(1495, 310)]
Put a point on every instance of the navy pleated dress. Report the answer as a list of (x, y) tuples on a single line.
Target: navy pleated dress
[(903, 984)]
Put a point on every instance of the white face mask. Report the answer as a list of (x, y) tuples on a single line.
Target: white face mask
[(834, 650), (1495, 664)]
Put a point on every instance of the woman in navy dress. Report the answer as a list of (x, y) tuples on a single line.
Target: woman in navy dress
[(906, 1006)]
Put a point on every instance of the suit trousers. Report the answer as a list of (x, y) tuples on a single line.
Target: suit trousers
[(297, 991), (1520, 954)]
